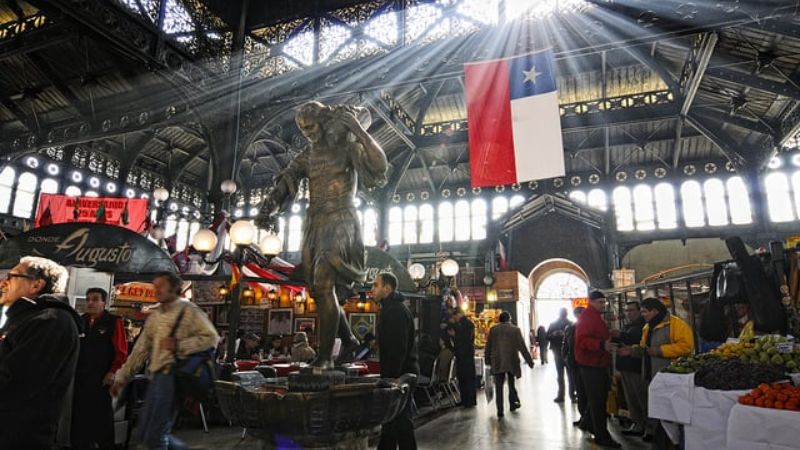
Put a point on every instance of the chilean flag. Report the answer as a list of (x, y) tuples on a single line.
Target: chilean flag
[(513, 120)]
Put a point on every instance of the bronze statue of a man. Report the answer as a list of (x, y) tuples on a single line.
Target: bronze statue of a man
[(341, 156)]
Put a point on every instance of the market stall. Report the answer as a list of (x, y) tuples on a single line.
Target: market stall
[(700, 394)]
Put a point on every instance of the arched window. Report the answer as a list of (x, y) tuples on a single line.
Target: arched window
[(7, 177), (410, 224), (779, 201), (597, 199), (692, 198), (73, 191), (665, 206), (182, 235), (479, 219), (23, 201), (282, 230), (562, 285), (446, 231), (171, 226), (578, 197), (516, 200), (395, 226), (499, 206), (193, 229), (295, 233), (796, 189), (49, 186), (716, 206), (426, 224), (462, 220), (739, 201), (643, 207), (623, 209), (370, 229)]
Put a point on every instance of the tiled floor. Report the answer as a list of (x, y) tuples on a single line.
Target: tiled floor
[(539, 424)]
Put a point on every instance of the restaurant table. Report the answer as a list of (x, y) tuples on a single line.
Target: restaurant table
[(245, 364), (754, 428), (284, 369)]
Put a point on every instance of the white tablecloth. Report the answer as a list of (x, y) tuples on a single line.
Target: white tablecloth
[(670, 397), (710, 412), (753, 428)]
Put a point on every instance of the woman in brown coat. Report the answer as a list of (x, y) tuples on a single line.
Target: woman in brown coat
[(503, 347)]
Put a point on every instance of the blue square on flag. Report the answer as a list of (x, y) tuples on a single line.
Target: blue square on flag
[(514, 120)]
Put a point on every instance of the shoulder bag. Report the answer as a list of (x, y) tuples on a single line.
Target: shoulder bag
[(194, 374)]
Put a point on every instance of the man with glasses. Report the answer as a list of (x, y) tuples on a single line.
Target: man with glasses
[(630, 368), (38, 353), (593, 349)]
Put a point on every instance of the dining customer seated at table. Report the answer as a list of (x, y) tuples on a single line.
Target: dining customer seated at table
[(248, 348), (301, 350)]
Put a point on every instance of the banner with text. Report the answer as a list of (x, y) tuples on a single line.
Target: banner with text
[(124, 212)]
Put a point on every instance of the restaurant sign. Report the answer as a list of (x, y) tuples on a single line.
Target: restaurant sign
[(135, 292), (97, 246)]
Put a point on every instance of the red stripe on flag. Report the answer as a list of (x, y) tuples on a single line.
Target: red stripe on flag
[(491, 138)]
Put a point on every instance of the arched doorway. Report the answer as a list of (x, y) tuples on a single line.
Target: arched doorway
[(554, 284)]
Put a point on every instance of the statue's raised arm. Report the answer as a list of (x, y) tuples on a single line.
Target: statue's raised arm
[(367, 155)]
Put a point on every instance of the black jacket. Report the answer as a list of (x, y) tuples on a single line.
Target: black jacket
[(398, 351), (631, 336), (555, 334), (38, 355)]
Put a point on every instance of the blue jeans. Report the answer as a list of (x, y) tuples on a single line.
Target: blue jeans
[(158, 414)]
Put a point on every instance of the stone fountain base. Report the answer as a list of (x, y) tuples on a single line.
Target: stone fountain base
[(327, 415)]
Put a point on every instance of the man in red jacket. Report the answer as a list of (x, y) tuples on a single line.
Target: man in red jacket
[(592, 354)]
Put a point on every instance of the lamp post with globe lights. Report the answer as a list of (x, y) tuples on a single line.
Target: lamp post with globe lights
[(228, 187), (242, 234), (160, 197)]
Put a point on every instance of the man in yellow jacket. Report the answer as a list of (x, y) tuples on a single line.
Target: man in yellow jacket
[(664, 337)]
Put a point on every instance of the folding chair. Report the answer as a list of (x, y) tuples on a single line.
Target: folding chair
[(450, 385), (428, 385)]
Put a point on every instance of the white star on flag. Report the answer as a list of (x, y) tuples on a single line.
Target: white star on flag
[(530, 75)]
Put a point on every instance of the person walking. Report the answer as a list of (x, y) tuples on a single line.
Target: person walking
[(665, 337), (592, 354), (555, 337), (193, 334), (103, 349), (503, 347), (634, 383), (465, 358), (398, 356), (39, 347), (541, 341)]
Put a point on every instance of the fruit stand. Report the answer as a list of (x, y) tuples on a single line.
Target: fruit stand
[(709, 394)]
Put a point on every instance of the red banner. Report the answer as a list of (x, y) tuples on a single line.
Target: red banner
[(124, 212)]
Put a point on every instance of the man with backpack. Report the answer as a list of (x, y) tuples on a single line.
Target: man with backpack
[(174, 331)]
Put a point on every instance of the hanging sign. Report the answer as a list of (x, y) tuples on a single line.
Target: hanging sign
[(135, 292), (105, 248), (130, 213), (379, 261), (581, 302)]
